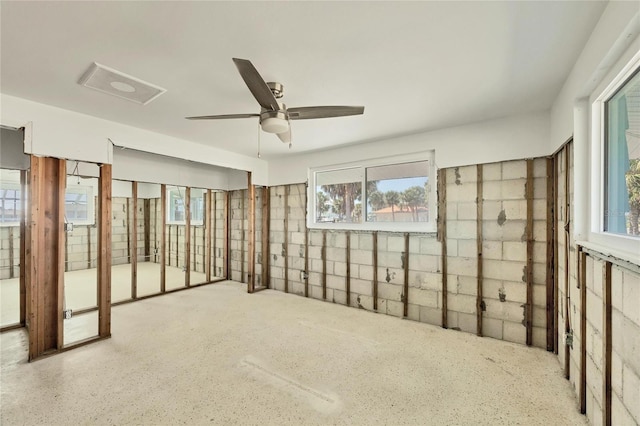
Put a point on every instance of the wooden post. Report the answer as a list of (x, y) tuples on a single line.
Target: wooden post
[(567, 243), (375, 270), (88, 227), (556, 250), (187, 236), (207, 235), (134, 241), (324, 264), (104, 250), (406, 274), (286, 238), (348, 260), (147, 229), (582, 278), (551, 254), (442, 213), (163, 238), (242, 216), (214, 231), (306, 243), (251, 247), (266, 220), (45, 278), (11, 259), (23, 247), (606, 344), (479, 240), (128, 222), (227, 229), (529, 231)]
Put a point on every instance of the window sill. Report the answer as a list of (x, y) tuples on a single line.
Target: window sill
[(606, 250)]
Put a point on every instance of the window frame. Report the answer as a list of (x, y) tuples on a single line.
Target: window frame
[(626, 247), (91, 205), (169, 221), (429, 226), (15, 187)]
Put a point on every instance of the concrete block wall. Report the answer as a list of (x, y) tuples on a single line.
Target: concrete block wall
[(9, 238), (119, 246)]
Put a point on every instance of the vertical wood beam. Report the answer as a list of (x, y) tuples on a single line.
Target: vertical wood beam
[(479, 241), (556, 250), (551, 254), (134, 241), (582, 278), (147, 228), (375, 270), (163, 238), (286, 238), (242, 218), (529, 232), (406, 274), (88, 246), (104, 250), (214, 231), (187, 236), (306, 242), (348, 260), (128, 221), (23, 247), (567, 251), (11, 259), (251, 247), (323, 254), (266, 220), (227, 229), (207, 235), (58, 234), (442, 224), (606, 344)]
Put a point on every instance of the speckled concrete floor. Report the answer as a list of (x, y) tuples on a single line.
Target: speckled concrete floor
[(216, 355)]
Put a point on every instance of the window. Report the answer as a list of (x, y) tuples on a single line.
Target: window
[(392, 195), (622, 159), (175, 205), (79, 205), (196, 206)]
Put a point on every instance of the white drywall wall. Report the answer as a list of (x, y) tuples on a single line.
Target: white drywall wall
[(66, 134), (504, 139)]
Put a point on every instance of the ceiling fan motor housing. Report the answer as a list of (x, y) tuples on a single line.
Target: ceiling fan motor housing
[(276, 88), (275, 121)]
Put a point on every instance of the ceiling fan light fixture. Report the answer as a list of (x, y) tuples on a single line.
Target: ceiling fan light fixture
[(275, 125)]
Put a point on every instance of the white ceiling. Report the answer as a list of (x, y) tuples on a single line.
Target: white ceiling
[(415, 66)]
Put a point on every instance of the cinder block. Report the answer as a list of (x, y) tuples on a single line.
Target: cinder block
[(462, 192), (413, 312), (462, 266), (340, 297), (452, 210), (466, 211), (420, 297), (362, 257), (430, 245), (315, 292), (594, 380), (467, 322), (365, 242), (594, 310), (340, 269), (363, 302), (390, 291), (631, 297), (492, 327), (514, 169), (336, 282), (431, 315), (503, 270), (631, 393), (620, 415), (507, 311), (395, 308), (467, 285), (462, 229), (425, 280), (461, 303), (361, 287), (365, 272), (467, 248), (395, 243), (420, 262), (514, 250), (515, 209), (514, 332)]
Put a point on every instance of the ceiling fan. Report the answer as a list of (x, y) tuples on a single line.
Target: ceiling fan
[(275, 116)]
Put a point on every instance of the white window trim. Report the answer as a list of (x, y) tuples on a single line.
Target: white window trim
[(621, 246), (416, 227), (172, 222), (91, 206)]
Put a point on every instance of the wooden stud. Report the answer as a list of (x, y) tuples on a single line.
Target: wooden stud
[(251, 247), (582, 278), (66, 251), (375, 270), (306, 243), (406, 275), (214, 232), (529, 232), (11, 259), (551, 254), (207, 235), (128, 222), (88, 246), (177, 227), (286, 239), (606, 344), (567, 243), (104, 250), (147, 228), (348, 260), (187, 236), (227, 237), (479, 240), (442, 213), (242, 217), (324, 264), (266, 220), (23, 247), (58, 233), (134, 241), (163, 238), (556, 250)]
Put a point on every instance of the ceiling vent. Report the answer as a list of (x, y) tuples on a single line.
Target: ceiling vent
[(116, 83)]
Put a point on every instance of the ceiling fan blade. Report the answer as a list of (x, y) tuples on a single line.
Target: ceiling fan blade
[(305, 113), (256, 84), (218, 117), (285, 136)]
